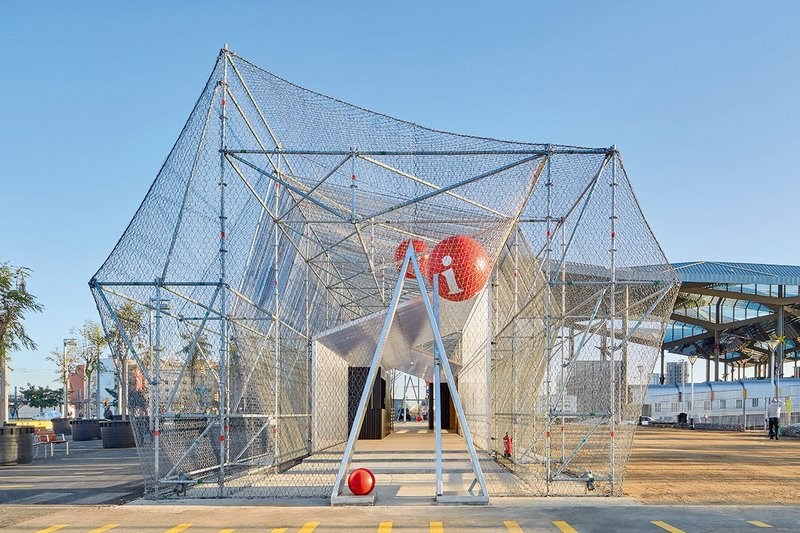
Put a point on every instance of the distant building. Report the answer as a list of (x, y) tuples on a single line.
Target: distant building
[(78, 399), (677, 372), (655, 379)]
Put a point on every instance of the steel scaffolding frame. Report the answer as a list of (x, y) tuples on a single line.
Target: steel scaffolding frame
[(307, 198)]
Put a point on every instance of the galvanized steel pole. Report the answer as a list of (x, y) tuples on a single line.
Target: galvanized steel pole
[(612, 310), (223, 346)]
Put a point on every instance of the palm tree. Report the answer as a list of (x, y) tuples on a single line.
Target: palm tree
[(15, 303), (92, 341), (66, 364), (196, 365), (132, 321)]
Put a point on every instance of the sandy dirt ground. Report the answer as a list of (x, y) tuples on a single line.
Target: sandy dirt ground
[(671, 466)]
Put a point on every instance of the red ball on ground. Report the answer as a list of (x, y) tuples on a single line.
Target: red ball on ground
[(462, 266), (361, 481), (419, 249)]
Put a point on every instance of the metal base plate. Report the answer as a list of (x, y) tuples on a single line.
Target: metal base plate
[(462, 500), (350, 499)]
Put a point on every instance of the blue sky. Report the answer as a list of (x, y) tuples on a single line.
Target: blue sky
[(700, 97)]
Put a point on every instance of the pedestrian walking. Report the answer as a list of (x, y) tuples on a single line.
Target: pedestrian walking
[(774, 416)]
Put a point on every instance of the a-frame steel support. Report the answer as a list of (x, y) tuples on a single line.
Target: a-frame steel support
[(440, 360)]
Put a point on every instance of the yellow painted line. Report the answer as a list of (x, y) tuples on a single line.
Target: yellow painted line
[(106, 527), (15, 486), (758, 523), (226, 530), (512, 526), (52, 528), (384, 527), (279, 530), (664, 525), (564, 527), (437, 527), (178, 528), (308, 527)]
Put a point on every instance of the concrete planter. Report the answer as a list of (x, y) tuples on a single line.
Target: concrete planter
[(85, 429), (16, 445), (117, 434), (62, 425)]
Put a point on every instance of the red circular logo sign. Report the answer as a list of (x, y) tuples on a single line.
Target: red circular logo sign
[(462, 266)]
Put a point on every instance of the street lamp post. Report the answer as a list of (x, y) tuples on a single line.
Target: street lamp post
[(67, 342), (692, 361), (683, 386), (774, 373)]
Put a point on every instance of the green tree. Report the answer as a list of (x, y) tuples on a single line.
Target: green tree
[(15, 303), (195, 366), (91, 342), (42, 397), (132, 320)]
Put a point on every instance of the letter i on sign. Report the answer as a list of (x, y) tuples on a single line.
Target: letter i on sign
[(450, 276)]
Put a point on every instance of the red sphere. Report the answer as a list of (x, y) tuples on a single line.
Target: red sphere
[(462, 266), (419, 249), (361, 482)]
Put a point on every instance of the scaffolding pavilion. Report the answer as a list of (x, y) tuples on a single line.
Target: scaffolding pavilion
[(275, 221)]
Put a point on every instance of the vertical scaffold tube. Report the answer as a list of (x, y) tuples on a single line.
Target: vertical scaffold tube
[(563, 312), (514, 387), (548, 313), (437, 393), (308, 334), (156, 391), (612, 309), (277, 322), (223, 343)]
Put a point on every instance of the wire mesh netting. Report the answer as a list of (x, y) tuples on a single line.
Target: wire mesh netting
[(252, 283)]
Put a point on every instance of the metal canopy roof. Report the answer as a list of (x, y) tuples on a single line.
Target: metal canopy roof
[(729, 310), (737, 273)]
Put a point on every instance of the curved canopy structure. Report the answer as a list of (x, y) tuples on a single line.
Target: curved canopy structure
[(255, 272), (730, 312)]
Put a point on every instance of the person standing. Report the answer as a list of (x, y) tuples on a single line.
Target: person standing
[(774, 416)]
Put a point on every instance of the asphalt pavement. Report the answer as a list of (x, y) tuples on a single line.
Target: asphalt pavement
[(505, 515), (89, 475)]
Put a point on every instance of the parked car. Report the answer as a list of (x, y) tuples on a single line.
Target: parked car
[(646, 420)]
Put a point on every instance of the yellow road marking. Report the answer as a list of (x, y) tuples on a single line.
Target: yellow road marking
[(279, 530), (513, 527), (106, 527), (564, 527), (226, 530), (15, 486), (437, 527), (52, 528), (308, 527), (758, 523), (664, 525), (178, 528), (384, 527)]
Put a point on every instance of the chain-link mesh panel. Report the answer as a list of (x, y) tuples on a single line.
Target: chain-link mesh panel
[(249, 291)]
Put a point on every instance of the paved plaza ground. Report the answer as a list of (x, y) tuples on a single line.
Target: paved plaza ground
[(677, 481)]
